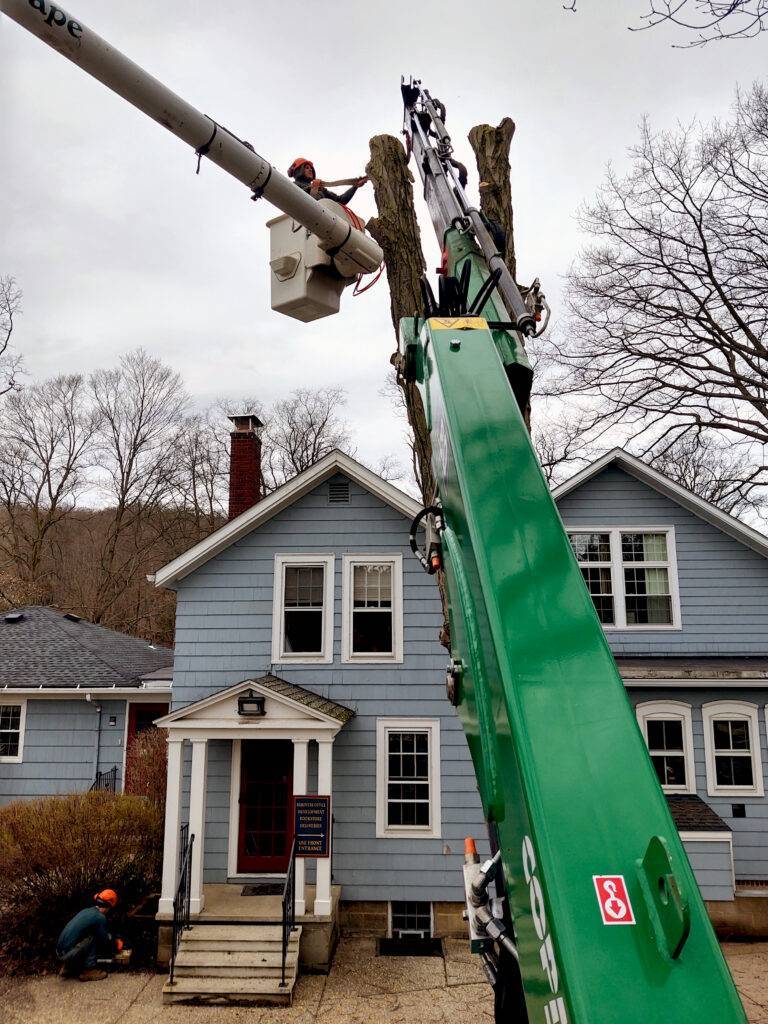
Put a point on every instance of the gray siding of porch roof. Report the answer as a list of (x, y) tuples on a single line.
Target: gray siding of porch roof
[(723, 584), (59, 748), (223, 635), (711, 863), (750, 834)]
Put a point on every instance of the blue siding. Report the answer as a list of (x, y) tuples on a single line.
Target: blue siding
[(711, 863), (750, 834), (60, 747), (723, 584), (223, 635)]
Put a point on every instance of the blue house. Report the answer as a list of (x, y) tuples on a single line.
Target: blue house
[(681, 589), (72, 697)]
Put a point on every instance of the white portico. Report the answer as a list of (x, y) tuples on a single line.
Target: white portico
[(270, 724)]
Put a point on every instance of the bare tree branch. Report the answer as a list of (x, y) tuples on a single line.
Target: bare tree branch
[(10, 308)]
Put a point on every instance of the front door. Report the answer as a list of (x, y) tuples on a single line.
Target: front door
[(266, 823)]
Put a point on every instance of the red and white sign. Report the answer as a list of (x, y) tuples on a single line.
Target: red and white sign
[(613, 898)]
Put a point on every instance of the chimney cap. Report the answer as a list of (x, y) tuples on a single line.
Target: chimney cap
[(246, 422)]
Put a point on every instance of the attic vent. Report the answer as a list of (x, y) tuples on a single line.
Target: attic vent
[(14, 617), (72, 617), (338, 492)]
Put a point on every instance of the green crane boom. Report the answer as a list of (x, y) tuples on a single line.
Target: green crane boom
[(602, 911)]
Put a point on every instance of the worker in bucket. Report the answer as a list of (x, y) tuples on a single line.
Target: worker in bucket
[(303, 173), (86, 938)]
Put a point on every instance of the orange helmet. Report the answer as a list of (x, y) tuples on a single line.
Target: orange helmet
[(297, 163), (106, 898)]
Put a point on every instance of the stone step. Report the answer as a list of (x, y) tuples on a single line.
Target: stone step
[(241, 932), (236, 946), (235, 959), (254, 991)]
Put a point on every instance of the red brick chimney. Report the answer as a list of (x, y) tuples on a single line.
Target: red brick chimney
[(244, 463)]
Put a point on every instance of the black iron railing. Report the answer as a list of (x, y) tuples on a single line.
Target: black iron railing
[(289, 908), (106, 781), (181, 899)]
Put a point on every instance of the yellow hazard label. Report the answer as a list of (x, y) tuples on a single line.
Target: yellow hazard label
[(457, 323)]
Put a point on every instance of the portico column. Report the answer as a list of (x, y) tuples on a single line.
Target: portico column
[(300, 750), (172, 825), (324, 785), (197, 801)]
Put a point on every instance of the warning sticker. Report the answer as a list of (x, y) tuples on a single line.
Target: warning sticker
[(613, 899)]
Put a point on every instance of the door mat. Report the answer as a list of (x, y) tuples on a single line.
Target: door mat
[(263, 889), (410, 946)]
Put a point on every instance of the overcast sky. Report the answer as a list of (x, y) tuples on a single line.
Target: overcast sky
[(117, 243)]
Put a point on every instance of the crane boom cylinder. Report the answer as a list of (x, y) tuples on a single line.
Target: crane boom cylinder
[(73, 40)]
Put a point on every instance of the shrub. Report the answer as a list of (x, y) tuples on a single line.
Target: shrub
[(146, 766), (56, 852)]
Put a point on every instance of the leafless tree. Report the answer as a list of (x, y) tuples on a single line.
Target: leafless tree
[(706, 20), (719, 473), (10, 361), (667, 335), (204, 468), (300, 430), (140, 406), (561, 445), (46, 437)]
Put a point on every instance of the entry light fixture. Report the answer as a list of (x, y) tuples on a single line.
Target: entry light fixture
[(251, 705)]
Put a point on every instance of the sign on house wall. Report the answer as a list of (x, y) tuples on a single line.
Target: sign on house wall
[(312, 825)]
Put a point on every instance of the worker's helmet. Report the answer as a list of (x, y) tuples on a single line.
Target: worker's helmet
[(297, 163), (106, 898)]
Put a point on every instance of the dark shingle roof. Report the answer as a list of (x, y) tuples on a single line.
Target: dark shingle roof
[(45, 649), (306, 697), (691, 814)]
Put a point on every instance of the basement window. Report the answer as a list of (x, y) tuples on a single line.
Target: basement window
[(410, 930)]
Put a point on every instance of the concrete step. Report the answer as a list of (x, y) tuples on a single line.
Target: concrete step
[(241, 932), (238, 991), (237, 964)]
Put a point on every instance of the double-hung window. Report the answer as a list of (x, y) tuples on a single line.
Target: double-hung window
[(302, 611), (12, 731), (668, 732), (631, 576), (408, 778), (372, 615), (732, 749)]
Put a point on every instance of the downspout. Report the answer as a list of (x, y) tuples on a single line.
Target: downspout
[(97, 740)]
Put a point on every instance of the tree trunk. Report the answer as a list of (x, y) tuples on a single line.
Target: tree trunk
[(397, 232), (491, 147)]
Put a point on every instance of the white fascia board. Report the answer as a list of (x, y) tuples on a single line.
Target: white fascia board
[(219, 540), (107, 693), (706, 837), (716, 684), (664, 485)]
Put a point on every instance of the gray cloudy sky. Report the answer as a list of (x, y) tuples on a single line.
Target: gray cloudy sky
[(116, 242)]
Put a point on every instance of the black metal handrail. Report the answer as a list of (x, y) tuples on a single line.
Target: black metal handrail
[(181, 899), (289, 908), (105, 781)]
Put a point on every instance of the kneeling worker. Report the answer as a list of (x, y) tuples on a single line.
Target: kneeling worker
[(87, 937)]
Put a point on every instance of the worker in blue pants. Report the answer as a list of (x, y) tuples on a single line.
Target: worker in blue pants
[(86, 937)]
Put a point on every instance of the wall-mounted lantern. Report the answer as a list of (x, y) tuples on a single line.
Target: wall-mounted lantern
[(251, 705)]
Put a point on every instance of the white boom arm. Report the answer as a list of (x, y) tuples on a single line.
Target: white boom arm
[(353, 251)]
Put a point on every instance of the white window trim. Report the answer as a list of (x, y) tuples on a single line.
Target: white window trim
[(654, 710), (347, 591), (743, 711), (279, 657), (617, 576), (17, 759), (433, 830)]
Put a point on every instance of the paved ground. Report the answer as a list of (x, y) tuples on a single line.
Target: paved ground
[(361, 989)]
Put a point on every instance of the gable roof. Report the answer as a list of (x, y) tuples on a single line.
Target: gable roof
[(288, 693), (676, 492), (267, 508), (45, 649)]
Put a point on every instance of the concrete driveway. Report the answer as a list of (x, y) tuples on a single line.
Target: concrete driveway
[(362, 988)]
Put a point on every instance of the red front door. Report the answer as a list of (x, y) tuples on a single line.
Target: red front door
[(266, 824)]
